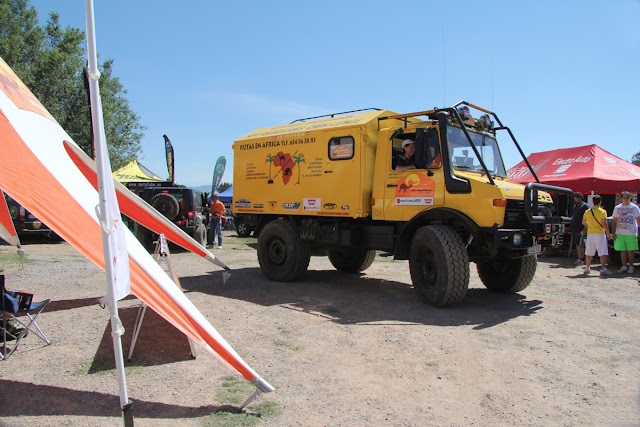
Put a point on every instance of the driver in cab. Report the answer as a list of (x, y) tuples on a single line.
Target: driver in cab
[(405, 160)]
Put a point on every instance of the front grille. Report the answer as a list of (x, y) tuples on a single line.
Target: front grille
[(514, 216)]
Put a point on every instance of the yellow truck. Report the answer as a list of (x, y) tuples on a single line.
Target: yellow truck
[(330, 185)]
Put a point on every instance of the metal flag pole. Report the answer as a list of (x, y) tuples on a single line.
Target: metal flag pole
[(116, 265)]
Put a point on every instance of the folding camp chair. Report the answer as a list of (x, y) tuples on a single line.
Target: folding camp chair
[(14, 306)]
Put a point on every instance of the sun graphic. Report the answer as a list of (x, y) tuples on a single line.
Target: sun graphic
[(412, 180)]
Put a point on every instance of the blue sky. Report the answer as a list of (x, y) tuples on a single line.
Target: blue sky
[(558, 73)]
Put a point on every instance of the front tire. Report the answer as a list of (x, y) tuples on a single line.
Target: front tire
[(439, 266), (282, 254), (508, 275), (351, 260), (200, 234)]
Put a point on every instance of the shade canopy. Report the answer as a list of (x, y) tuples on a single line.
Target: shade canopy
[(584, 169), (226, 195), (135, 172)]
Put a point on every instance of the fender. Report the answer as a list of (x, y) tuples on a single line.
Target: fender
[(440, 215)]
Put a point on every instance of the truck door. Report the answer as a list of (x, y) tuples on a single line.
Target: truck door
[(414, 190)]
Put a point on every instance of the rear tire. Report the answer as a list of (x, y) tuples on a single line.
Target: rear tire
[(351, 260), (439, 266), (508, 275), (166, 204), (243, 229), (283, 256)]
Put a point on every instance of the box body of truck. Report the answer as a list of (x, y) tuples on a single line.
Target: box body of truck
[(323, 167)]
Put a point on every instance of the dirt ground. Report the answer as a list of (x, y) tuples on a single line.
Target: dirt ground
[(341, 350)]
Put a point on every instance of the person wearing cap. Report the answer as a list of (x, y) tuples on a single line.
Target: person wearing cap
[(405, 160), (598, 233), (216, 210), (577, 229), (626, 217)]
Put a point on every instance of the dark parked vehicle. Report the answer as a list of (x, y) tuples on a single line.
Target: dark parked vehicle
[(182, 206), (25, 222)]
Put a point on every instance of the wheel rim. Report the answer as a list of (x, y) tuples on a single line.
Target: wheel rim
[(242, 228), (277, 251), (427, 271)]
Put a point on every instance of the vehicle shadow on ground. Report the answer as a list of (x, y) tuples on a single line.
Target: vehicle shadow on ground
[(560, 262), (52, 401), (158, 342), (359, 299)]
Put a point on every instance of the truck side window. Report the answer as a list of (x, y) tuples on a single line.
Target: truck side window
[(396, 152), (434, 159), (341, 148)]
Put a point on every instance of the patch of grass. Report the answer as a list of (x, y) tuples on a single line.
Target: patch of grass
[(433, 364), (267, 408), (83, 369), (233, 391), (616, 361), (240, 242), (287, 344), (12, 259), (230, 419), (282, 343), (284, 331)]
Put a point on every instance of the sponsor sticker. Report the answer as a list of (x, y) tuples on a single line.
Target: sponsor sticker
[(273, 204), (258, 206), (414, 186), (291, 206), (329, 206), (345, 207), (311, 204), (562, 169), (242, 203), (414, 201)]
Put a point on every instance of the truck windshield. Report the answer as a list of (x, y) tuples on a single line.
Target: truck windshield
[(464, 158)]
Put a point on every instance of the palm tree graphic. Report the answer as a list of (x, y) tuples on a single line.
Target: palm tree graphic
[(299, 159), (270, 160)]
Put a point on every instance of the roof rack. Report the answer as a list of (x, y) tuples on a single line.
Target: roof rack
[(337, 114)]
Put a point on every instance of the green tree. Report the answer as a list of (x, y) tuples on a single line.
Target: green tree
[(51, 61), (223, 186), (636, 159), (270, 160), (299, 159)]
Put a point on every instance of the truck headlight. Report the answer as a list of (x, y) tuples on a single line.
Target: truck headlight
[(517, 239)]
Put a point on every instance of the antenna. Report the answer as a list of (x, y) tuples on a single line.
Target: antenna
[(444, 71)]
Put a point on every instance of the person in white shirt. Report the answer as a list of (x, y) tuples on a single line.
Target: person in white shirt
[(626, 217)]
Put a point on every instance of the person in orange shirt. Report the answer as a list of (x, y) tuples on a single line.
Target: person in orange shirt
[(216, 210)]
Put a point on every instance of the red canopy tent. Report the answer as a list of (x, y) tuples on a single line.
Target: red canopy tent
[(583, 169)]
